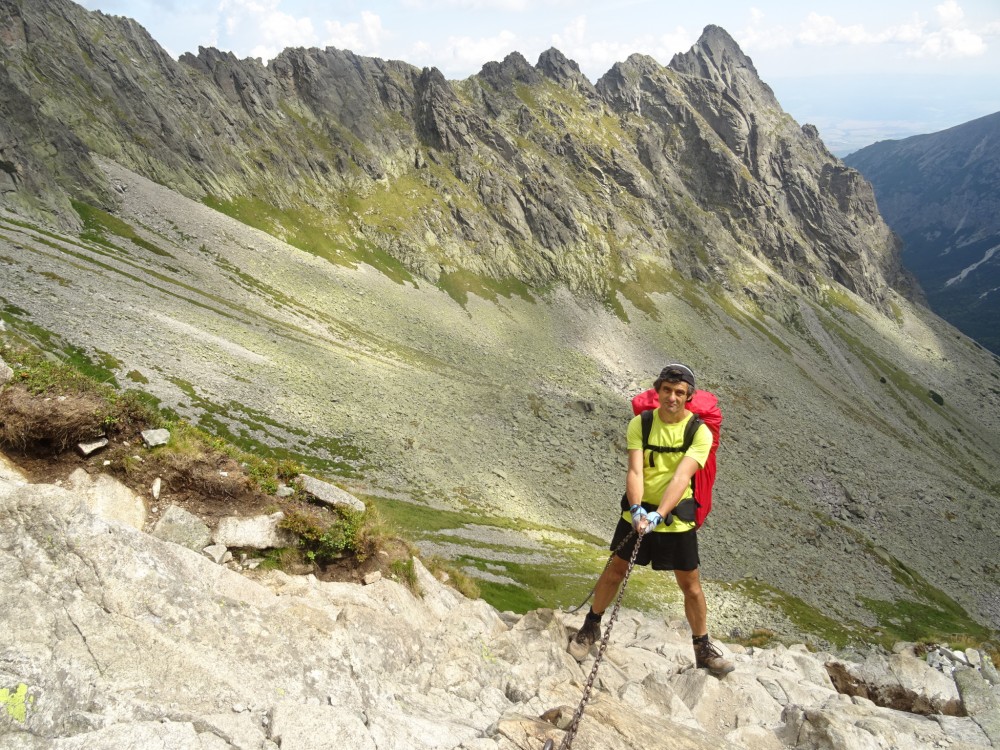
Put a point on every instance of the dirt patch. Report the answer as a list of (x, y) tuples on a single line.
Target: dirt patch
[(46, 426), (40, 435)]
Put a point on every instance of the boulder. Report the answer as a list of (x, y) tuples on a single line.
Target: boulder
[(981, 702), (254, 532), (6, 374), (329, 494), (90, 448), (899, 681), (155, 438), (9, 471), (108, 498), (181, 527), (115, 639)]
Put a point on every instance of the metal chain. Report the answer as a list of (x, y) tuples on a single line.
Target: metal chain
[(607, 565), (575, 723)]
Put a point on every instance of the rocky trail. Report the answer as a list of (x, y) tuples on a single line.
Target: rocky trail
[(113, 638)]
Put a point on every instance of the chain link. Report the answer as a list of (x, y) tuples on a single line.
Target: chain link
[(575, 723), (607, 565)]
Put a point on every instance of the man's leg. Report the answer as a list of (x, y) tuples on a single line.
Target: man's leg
[(707, 656), (695, 608), (604, 592), (608, 583)]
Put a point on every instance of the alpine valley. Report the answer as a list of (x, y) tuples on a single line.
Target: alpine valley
[(444, 293)]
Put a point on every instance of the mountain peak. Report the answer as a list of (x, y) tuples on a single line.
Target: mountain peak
[(716, 57), (513, 68), (555, 65)]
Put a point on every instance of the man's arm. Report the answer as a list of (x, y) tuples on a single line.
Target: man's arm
[(633, 479), (680, 481)]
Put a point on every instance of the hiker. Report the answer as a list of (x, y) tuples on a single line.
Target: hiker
[(658, 498)]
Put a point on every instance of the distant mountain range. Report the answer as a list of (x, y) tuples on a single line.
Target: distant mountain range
[(941, 194)]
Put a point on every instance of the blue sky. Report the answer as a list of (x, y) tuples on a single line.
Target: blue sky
[(859, 71)]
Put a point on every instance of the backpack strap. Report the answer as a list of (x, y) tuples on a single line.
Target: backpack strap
[(689, 430)]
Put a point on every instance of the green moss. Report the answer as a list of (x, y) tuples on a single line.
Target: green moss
[(806, 618), (897, 313), (256, 433), (651, 278), (97, 224), (69, 363), (571, 569), (326, 534), (16, 702), (56, 278), (460, 284), (325, 235), (509, 597)]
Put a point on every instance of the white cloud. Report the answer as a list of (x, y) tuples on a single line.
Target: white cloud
[(950, 13), (822, 30), (462, 53), (599, 55), (261, 20), (947, 36), (572, 35), (510, 5), (364, 37), (950, 43)]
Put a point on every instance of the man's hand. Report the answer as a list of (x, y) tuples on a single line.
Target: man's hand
[(650, 522), (638, 514)]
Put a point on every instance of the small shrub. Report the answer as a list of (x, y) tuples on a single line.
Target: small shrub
[(325, 535)]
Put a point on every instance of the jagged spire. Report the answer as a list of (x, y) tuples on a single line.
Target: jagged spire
[(717, 57), (555, 65)]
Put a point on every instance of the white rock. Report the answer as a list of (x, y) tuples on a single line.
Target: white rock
[(216, 552), (88, 449), (154, 438), (181, 527), (328, 493), (155, 490), (255, 532), (108, 498)]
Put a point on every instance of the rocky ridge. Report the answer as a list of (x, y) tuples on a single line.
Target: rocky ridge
[(114, 638), (525, 174)]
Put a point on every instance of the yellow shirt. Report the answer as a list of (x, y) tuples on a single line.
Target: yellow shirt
[(655, 478)]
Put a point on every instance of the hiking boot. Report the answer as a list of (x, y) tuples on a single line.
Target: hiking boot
[(588, 634), (707, 656)]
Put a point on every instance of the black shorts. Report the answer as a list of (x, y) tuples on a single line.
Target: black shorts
[(667, 551)]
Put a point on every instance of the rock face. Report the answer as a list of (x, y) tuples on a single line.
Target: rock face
[(112, 638), (941, 194), (525, 173)]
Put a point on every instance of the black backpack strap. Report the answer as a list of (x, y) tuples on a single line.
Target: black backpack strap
[(647, 427)]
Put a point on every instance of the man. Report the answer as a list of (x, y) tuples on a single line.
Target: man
[(659, 506)]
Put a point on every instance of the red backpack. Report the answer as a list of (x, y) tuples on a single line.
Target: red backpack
[(705, 406)]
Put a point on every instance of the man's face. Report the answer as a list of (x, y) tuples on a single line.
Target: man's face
[(673, 398)]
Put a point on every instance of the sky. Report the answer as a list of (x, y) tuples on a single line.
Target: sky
[(859, 70)]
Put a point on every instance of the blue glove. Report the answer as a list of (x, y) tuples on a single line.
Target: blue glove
[(638, 513), (652, 520)]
